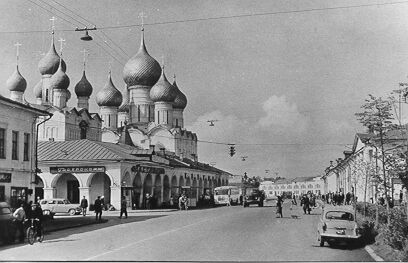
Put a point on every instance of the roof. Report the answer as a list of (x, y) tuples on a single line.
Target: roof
[(303, 179), (28, 107), (83, 150)]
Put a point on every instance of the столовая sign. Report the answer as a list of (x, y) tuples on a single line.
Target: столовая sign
[(84, 169)]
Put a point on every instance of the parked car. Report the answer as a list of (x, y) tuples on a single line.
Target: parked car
[(7, 228), (253, 196), (337, 224), (59, 206)]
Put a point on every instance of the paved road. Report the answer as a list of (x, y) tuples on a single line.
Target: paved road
[(224, 234)]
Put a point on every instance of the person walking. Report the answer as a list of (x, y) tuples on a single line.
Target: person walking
[(98, 209), (148, 201), (19, 216), (229, 199), (123, 207), (84, 205), (279, 206)]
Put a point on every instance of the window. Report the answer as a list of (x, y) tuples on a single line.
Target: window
[(138, 113), (14, 150), (46, 95), (26, 146), (3, 143), (2, 193)]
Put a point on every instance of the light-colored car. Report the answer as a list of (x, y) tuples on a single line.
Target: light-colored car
[(59, 206), (337, 224)]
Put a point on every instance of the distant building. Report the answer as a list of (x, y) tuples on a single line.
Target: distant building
[(296, 186)]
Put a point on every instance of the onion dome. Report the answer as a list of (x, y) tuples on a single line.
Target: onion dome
[(59, 80), (163, 90), (109, 95), (50, 62), (16, 82), (68, 94), (141, 69), (83, 88), (124, 107), (180, 102), (38, 90)]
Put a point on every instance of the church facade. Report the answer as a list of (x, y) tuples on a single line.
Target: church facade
[(136, 144)]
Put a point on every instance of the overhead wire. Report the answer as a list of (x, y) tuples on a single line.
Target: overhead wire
[(224, 17)]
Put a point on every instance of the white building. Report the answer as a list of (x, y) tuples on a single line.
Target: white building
[(297, 186), (17, 148)]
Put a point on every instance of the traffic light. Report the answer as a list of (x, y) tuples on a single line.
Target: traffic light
[(232, 150)]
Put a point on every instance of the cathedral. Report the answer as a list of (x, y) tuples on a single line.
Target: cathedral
[(143, 126)]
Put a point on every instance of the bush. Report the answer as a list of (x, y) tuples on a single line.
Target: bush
[(396, 232), (370, 211), (368, 232)]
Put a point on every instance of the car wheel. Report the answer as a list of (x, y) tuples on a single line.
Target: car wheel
[(321, 242), (72, 212)]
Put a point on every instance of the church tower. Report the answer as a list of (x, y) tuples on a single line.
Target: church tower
[(163, 95), (180, 103), (108, 100), (140, 73), (16, 83)]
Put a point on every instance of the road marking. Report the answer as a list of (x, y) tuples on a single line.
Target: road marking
[(152, 237), (373, 254)]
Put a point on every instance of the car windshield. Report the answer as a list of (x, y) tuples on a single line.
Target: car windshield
[(340, 215), (66, 202), (5, 210), (221, 192)]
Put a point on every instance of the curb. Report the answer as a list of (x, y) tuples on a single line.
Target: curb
[(373, 254)]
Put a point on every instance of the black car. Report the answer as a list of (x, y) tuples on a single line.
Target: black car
[(253, 196), (7, 228)]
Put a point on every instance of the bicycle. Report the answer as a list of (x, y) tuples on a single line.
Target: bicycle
[(32, 232)]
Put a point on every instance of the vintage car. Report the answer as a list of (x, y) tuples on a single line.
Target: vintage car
[(54, 206), (337, 224), (253, 196), (7, 228)]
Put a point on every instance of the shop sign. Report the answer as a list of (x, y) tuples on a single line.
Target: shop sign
[(84, 169), (147, 169), (5, 177)]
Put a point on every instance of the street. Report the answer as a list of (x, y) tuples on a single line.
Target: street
[(218, 234)]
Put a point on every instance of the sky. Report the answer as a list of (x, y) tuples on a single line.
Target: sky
[(282, 78)]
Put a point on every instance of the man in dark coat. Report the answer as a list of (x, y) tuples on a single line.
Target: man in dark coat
[(123, 207), (279, 206), (98, 208), (306, 204), (84, 205)]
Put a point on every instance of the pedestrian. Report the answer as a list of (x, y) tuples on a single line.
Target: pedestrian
[(294, 200), (98, 209), (148, 201), (306, 204), (37, 213), (84, 205), (123, 207), (279, 206), (103, 203), (180, 202), (229, 199), (19, 216)]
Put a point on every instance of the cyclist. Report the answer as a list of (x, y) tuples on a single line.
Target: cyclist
[(37, 213)]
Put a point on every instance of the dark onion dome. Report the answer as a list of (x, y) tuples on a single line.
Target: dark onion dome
[(163, 90), (180, 102), (50, 62), (59, 80), (83, 88), (16, 82), (38, 89), (141, 69), (109, 96), (124, 107)]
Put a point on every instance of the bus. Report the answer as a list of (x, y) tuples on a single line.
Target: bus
[(222, 193)]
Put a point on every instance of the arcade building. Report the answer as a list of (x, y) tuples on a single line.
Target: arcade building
[(136, 144)]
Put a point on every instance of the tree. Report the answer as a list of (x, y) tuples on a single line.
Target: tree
[(377, 117)]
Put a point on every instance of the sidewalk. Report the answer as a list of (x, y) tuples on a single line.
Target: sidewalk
[(65, 222)]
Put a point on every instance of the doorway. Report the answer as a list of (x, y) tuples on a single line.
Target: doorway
[(73, 191)]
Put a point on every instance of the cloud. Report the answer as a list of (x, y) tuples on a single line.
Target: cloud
[(282, 115)]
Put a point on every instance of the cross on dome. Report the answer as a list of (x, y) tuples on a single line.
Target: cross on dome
[(17, 45), (61, 40), (142, 16), (52, 19), (85, 52)]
